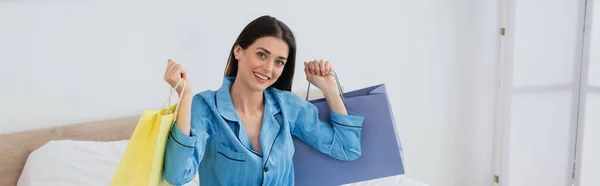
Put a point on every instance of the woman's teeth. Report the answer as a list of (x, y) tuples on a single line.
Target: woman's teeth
[(261, 76)]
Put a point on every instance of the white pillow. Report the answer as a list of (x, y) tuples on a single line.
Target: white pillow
[(68, 162)]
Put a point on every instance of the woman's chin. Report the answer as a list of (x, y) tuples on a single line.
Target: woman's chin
[(258, 86)]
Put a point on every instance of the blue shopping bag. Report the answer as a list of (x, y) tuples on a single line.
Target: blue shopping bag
[(382, 154)]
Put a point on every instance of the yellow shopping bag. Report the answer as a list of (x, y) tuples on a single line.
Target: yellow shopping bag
[(142, 162)]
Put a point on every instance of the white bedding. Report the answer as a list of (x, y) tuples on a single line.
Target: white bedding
[(68, 162), (392, 180)]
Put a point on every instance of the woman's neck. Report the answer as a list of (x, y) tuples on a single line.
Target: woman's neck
[(246, 100)]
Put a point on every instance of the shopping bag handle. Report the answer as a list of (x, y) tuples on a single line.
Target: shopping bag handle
[(168, 102), (339, 86)]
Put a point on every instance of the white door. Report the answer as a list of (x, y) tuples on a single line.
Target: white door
[(541, 57), (588, 141)]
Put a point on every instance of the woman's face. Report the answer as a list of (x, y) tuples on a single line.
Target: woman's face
[(261, 64)]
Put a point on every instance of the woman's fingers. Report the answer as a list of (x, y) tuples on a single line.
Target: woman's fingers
[(183, 74), (306, 70), (317, 68), (174, 67), (174, 72), (323, 68), (168, 70)]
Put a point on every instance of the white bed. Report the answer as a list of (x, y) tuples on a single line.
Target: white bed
[(86, 154), (92, 163)]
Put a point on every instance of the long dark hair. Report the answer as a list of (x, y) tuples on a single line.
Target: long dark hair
[(261, 27)]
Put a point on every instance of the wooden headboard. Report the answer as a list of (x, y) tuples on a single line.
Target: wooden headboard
[(16, 147)]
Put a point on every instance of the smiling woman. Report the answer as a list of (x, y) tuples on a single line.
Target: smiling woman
[(264, 62), (273, 41), (241, 134)]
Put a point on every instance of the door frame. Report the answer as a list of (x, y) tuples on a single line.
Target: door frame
[(505, 91)]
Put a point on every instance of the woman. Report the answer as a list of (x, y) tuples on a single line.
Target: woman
[(241, 134)]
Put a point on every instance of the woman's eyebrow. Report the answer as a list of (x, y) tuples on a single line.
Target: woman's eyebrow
[(269, 52)]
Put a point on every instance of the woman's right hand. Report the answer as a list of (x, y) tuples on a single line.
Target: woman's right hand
[(173, 74)]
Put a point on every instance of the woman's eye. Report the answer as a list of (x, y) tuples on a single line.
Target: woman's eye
[(261, 55), (280, 63)]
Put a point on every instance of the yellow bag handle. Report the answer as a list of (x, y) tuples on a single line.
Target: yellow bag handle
[(168, 102)]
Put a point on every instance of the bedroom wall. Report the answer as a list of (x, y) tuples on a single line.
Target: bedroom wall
[(65, 62)]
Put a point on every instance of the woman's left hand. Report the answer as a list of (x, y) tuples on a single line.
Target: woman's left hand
[(317, 73)]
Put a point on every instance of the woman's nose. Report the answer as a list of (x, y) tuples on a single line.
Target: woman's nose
[(268, 66)]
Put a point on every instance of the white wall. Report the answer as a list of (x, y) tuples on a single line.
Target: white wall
[(66, 62)]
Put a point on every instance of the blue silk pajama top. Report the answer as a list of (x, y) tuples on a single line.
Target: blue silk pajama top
[(219, 150)]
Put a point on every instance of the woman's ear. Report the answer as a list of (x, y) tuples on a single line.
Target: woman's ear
[(237, 51)]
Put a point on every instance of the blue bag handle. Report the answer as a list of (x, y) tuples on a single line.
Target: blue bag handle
[(339, 86)]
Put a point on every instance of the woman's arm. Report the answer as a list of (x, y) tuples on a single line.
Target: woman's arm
[(336, 105), (340, 136), (184, 152), (189, 135), (185, 107), (318, 73), (176, 76)]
